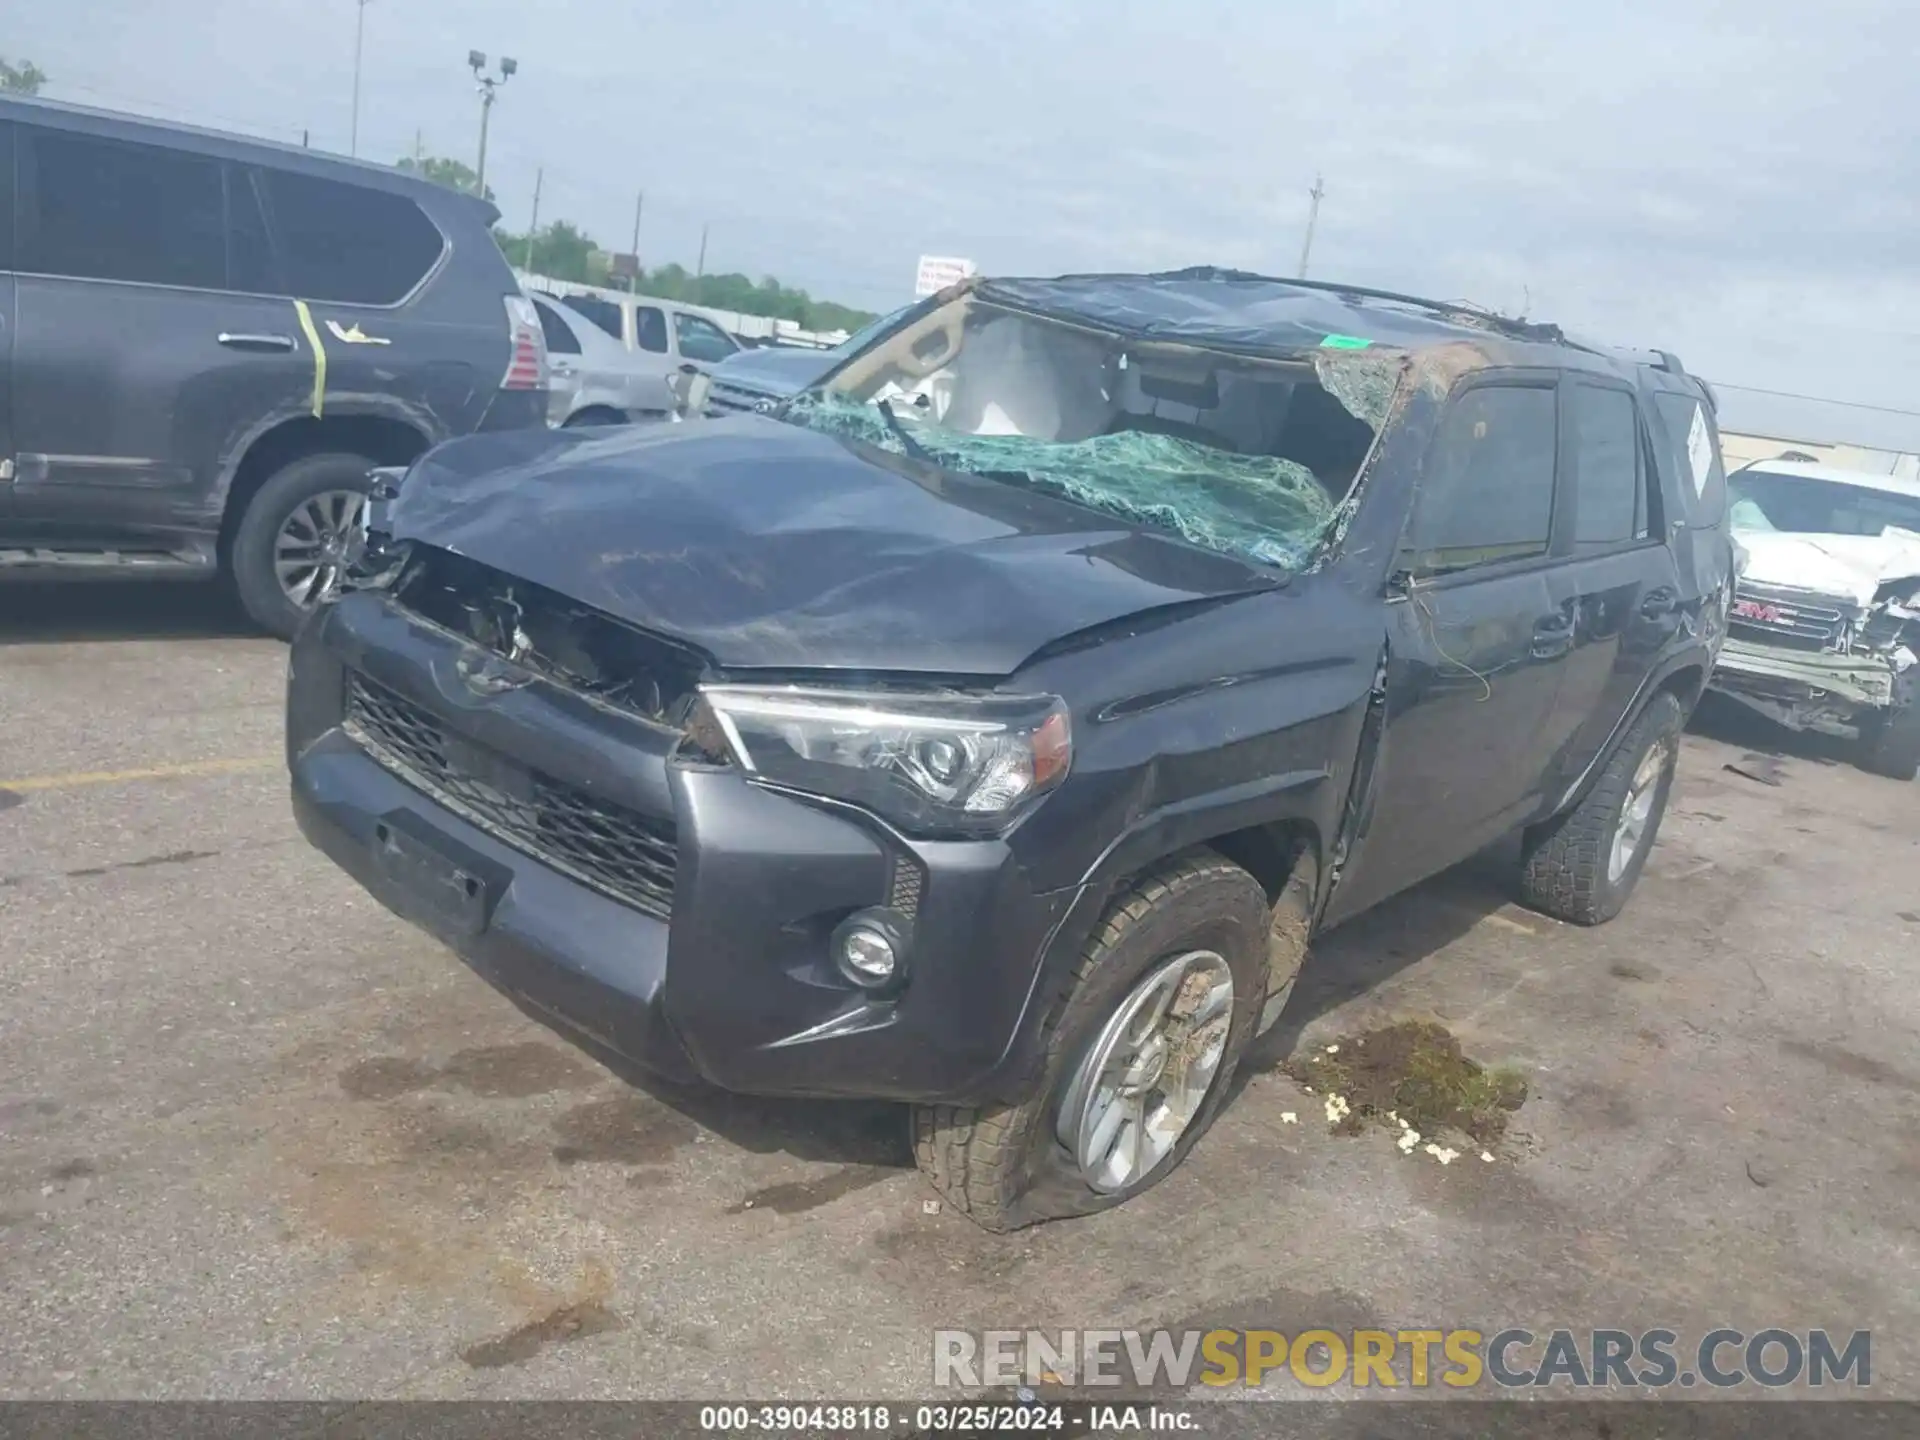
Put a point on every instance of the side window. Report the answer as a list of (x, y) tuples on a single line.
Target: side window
[(1486, 494), (1610, 503), (1689, 438), (560, 337), (249, 251), (6, 195), (603, 313), (650, 329), (701, 339), (107, 210), (348, 243)]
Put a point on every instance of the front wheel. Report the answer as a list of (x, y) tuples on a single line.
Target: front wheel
[(1582, 866), (1890, 743), (293, 541), (1139, 1055)]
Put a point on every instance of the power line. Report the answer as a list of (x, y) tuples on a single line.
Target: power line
[(1818, 399)]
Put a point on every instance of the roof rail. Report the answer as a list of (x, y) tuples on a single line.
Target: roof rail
[(1459, 309)]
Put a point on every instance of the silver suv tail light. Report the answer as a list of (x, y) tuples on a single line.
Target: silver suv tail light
[(527, 370)]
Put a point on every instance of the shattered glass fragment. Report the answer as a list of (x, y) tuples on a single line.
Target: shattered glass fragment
[(1364, 384), (1259, 506)]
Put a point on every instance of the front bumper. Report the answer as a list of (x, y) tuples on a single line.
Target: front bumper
[(1802, 676), (733, 982)]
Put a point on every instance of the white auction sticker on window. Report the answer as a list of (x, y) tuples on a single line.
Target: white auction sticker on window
[(1700, 450)]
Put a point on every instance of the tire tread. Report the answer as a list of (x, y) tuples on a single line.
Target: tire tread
[(970, 1154), (1564, 867)]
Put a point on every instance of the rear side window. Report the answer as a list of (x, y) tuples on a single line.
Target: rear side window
[(347, 243), (1692, 451), (701, 339), (100, 209), (1486, 495), (6, 195), (560, 338), (1609, 504), (603, 313), (650, 329)]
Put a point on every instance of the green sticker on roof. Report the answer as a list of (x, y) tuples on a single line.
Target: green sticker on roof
[(1344, 342)]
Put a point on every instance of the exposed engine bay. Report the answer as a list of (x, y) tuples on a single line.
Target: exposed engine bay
[(549, 635)]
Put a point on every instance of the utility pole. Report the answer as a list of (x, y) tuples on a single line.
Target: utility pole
[(633, 280), (700, 266), (477, 62), (419, 146), (533, 225), (1313, 214), (359, 34)]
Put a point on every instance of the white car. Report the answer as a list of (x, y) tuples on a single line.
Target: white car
[(672, 334), (1824, 633), (592, 378)]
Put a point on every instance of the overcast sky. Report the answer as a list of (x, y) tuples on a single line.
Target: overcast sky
[(1735, 182)]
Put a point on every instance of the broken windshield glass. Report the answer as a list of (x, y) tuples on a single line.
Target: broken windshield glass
[(1248, 456)]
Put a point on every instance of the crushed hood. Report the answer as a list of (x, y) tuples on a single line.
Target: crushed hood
[(1851, 565), (768, 545)]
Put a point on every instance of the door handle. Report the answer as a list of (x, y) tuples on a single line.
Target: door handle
[(1658, 603), (256, 342), (1552, 635)]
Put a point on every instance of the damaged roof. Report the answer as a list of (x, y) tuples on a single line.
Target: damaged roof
[(1257, 314)]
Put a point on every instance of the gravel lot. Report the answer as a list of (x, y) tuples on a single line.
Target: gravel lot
[(259, 1138)]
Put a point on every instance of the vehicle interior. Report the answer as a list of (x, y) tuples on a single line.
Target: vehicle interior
[(978, 369)]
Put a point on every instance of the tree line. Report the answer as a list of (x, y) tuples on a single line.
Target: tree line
[(21, 77), (565, 252)]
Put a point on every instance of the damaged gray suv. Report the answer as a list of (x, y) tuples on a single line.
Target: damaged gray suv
[(990, 726)]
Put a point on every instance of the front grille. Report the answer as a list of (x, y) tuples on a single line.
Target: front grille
[(724, 399), (618, 852), (1780, 616)]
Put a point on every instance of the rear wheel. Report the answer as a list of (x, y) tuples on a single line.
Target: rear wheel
[(1890, 743), (1582, 866), (291, 544), (1139, 1056)]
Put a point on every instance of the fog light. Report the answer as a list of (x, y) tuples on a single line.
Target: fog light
[(870, 947)]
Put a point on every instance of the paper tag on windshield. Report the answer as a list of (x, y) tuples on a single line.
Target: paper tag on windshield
[(1700, 450)]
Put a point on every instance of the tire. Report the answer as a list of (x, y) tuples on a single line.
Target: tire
[(1004, 1166), (1890, 744), (1567, 868), (251, 558)]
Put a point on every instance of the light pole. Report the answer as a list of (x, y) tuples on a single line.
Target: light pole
[(1316, 195), (359, 34), (477, 62)]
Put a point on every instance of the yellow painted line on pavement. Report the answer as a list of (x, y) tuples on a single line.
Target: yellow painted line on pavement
[(187, 770)]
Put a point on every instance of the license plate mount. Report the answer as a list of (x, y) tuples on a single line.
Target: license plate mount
[(452, 895)]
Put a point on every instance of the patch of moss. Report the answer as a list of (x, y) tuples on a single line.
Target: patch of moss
[(1414, 1070)]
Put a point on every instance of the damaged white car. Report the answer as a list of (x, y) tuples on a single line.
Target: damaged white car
[(1825, 629)]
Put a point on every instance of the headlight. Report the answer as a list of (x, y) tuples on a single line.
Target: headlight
[(932, 764)]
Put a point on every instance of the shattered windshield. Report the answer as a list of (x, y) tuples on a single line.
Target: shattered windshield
[(1246, 456), (1803, 505)]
